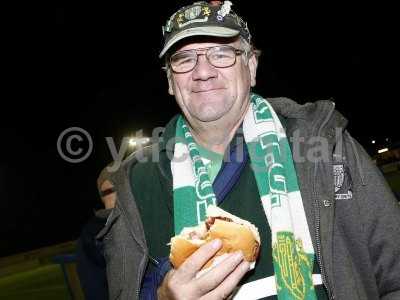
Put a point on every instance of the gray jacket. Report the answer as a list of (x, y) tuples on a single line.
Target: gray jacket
[(355, 229)]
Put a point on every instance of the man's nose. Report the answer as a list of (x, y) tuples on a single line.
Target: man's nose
[(203, 69)]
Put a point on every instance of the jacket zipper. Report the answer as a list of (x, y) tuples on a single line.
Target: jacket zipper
[(318, 218), (318, 241), (142, 267), (147, 258)]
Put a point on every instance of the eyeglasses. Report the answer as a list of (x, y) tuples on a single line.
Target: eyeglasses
[(218, 56)]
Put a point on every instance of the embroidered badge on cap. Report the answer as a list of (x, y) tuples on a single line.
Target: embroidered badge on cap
[(192, 12)]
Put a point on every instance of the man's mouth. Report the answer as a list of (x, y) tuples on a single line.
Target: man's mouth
[(206, 90)]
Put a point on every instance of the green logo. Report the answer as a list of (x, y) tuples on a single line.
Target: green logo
[(293, 276)]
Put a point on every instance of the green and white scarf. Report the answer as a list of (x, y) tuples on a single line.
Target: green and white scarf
[(273, 167)]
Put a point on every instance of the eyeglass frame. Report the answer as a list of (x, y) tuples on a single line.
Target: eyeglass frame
[(204, 52)]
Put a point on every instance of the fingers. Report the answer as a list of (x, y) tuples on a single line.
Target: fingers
[(217, 283), (210, 280), (225, 289), (198, 259)]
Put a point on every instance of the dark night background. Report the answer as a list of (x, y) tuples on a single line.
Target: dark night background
[(96, 67)]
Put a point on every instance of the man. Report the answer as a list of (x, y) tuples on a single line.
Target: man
[(328, 222)]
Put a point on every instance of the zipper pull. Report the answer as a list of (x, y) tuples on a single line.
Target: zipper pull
[(153, 260), (327, 203)]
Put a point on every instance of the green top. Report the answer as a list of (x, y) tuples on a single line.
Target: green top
[(211, 160)]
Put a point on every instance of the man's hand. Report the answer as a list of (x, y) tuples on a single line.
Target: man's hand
[(218, 283)]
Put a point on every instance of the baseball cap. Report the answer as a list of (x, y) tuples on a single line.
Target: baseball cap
[(213, 18)]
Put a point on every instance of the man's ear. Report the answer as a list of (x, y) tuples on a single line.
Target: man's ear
[(253, 63), (170, 83)]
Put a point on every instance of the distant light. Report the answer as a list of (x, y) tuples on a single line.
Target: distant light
[(383, 150), (387, 139), (132, 142), (373, 142)]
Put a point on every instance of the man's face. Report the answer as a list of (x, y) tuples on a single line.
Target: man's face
[(208, 93)]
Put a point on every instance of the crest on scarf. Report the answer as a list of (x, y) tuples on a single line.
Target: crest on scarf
[(293, 264)]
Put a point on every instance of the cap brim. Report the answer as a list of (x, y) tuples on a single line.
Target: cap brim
[(200, 31)]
